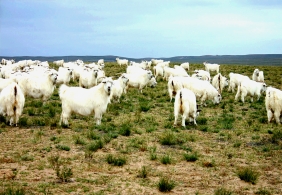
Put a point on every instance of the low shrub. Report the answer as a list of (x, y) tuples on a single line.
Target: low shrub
[(166, 184), (248, 175)]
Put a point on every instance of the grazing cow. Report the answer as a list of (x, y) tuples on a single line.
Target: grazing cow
[(12, 102), (273, 104), (250, 87), (186, 105)]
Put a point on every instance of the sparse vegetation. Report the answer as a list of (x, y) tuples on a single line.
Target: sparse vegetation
[(137, 138), (222, 191), (116, 161), (60, 166)]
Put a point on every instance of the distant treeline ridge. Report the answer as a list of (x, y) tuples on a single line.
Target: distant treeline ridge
[(252, 59)]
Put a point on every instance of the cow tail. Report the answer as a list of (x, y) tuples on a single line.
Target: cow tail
[(219, 83), (15, 103), (180, 97)]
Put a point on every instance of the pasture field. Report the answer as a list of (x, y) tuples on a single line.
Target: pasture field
[(137, 150)]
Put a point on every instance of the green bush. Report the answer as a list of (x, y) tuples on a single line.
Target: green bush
[(248, 175), (166, 185), (202, 121), (168, 138), (192, 157), (63, 147), (59, 164), (78, 140), (95, 145), (125, 129), (166, 159), (116, 161), (276, 136)]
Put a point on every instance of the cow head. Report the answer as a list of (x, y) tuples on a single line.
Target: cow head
[(217, 99), (108, 84)]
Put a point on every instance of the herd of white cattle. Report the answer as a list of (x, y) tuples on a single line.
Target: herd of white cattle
[(36, 79)]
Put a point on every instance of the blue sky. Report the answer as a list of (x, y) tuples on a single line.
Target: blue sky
[(140, 28)]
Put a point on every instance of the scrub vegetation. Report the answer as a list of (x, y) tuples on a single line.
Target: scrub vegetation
[(138, 150)]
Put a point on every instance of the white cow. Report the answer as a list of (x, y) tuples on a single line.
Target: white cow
[(273, 104), (258, 75), (250, 87), (88, 78), (204, 75), (211, 67), (155, 62), (219, 82), (138, 80), (38, 87), (185, 65), (118, 87), (64, 75), (122, 61), (186, 105), (12, 102), (59, 62), (85, 101), (235, 80)]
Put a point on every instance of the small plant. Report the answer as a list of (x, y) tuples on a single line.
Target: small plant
[(209, 164), (276, 136), (166, 184), (248, 175), (95, 145), (144, 106), (222, 191), (27, 158), (31, 112), (92, 135), (202, 121), (60, 166), (151, 129), (52, 112), (63, 147), (204, 128), (168, 138), (78, 140), (166, 159), (192, 157), (125, 129), (116, 161), (23, 121), (262, 191), (143, 173), (11, 190), (227, 121), (237, 144)]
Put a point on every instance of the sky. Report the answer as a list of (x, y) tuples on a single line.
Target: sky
[(140, 28)]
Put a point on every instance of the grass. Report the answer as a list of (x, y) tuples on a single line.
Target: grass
[(144, 172), (137, 138), (222, 191), (191, 157), (166, 159), (166, 184), (248, 175), (116, 161)]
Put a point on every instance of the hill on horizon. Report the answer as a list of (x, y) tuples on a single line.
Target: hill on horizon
[(251, 59)]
